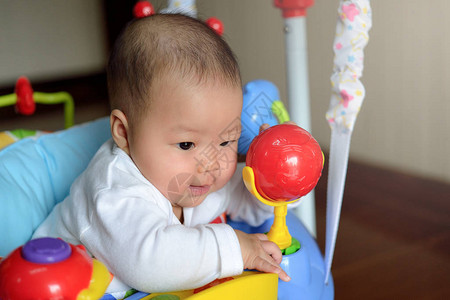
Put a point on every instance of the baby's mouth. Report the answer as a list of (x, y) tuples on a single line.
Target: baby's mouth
[(199, 190)]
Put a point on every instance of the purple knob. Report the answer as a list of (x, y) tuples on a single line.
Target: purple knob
[(46, 251)]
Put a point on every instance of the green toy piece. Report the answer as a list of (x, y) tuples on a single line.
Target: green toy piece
[(294, 247), (279, 110), (46, 98)]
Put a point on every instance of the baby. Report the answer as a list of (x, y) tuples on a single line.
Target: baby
[(145, 204)]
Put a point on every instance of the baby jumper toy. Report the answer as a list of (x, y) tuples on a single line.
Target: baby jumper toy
[(49, 268), (284, 163)]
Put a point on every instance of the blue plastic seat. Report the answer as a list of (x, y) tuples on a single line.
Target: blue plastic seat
[(36, 173)]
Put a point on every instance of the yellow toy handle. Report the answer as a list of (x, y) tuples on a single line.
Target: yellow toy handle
[(249, 180), (279, 233)]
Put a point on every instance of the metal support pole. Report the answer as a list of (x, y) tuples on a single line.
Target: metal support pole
[(294, 13)]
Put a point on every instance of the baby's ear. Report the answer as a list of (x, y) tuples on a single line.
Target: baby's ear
[(119, 129)]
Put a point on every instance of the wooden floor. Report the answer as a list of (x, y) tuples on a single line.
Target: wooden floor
[(394, 236)]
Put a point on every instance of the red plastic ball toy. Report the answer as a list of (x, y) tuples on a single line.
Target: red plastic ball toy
[(143, 9), (287, 162), (215, 24)]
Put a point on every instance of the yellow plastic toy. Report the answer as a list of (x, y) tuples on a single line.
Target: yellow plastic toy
[(248, 285), (279, 232)]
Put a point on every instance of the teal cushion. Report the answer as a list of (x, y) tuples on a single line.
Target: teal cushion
[(35, 174)]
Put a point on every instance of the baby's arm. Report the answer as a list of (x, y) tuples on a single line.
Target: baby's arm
[(261, 254), (145, 249)]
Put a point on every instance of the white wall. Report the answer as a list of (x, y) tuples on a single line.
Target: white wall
[(404, 123), (50, 39)]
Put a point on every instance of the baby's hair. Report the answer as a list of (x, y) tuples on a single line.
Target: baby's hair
[(164, 45)]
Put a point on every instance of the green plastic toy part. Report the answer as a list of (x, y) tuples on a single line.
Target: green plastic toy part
[(58, 98), (279, 110), (294, 247), (47, 99)]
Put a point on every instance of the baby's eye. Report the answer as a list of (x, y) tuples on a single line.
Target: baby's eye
[(186, 145), (224, 144)]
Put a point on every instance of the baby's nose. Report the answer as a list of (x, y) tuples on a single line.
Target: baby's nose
[(208, 165)]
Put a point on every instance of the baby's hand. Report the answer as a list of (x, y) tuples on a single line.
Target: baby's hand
[(261, 254), (264, 126)]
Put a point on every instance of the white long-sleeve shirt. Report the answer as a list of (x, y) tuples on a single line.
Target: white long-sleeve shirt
[(127, 224)]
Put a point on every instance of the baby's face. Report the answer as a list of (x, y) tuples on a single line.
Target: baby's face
[(186, 146)]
